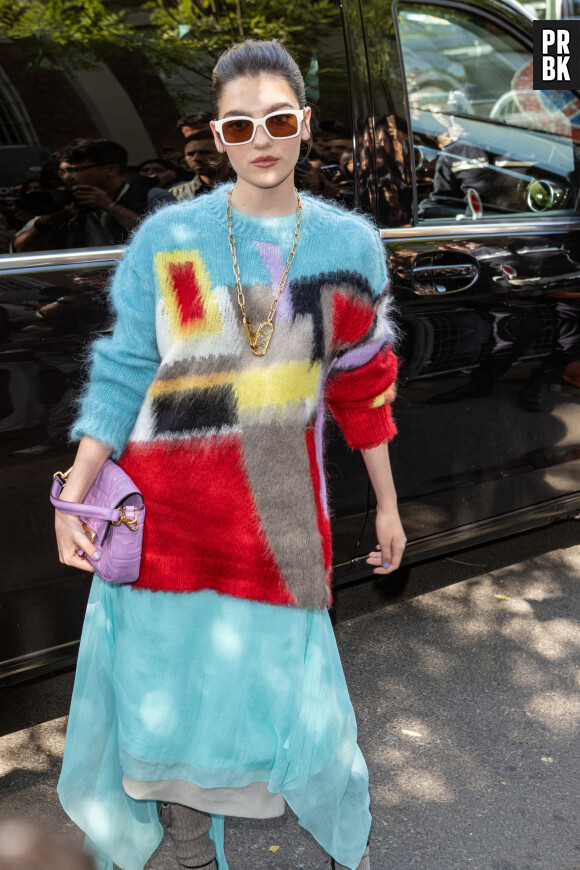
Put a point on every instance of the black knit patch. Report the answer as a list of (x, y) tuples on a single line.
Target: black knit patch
[(191, 410), (306, 298), (306, 302)]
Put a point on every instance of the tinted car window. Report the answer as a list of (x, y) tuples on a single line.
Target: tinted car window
[(62, 80), (485, 143), (45, 319)]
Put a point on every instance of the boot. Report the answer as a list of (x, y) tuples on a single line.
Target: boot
[(365, 863), (189, 830)]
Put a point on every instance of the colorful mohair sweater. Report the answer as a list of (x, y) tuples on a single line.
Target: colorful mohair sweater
[(226, 447)]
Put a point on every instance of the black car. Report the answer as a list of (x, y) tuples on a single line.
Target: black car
[(425, 118)]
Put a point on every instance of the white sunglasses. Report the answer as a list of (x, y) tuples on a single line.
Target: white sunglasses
[(241, 129)]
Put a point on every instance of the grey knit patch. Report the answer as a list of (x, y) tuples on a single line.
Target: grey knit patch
[(258, 299), (279, 471), (201, 366), (292, 340), (277, 461)]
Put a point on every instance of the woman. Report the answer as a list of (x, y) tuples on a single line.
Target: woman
[(213, 685)]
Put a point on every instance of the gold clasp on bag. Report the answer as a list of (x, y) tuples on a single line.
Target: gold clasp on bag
[(131, 524), (62, 475)]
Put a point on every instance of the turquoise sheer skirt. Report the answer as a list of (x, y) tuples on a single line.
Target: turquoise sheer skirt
[(217, 691)]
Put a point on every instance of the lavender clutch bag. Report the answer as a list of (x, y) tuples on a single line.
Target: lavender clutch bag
[(112, 515)]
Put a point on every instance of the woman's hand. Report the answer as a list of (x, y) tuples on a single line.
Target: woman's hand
[(391, 546), (390, 534), (70, 537)]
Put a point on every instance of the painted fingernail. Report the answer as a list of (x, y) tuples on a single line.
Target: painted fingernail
[(386, 564), (96, 555)]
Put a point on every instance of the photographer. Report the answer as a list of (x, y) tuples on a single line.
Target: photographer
[(94, 207)]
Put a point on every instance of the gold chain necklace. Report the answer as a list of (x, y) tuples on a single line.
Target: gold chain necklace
[(260, 339)]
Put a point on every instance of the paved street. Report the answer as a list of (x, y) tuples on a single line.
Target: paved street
[(467, 694)]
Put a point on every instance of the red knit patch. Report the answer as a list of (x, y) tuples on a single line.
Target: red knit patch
[(202, 529), (351, 319), (322, 518), (187, 292)]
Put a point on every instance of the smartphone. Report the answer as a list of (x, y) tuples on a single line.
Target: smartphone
[(332, 172)]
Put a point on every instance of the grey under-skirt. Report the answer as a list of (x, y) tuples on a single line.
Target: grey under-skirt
[(252, 801)]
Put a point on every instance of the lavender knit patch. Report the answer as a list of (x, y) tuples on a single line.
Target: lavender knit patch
[(319, 443), (272, 260), (271, 256), (359, 356)]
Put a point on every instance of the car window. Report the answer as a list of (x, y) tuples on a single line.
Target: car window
[(127, 76), (485, 143)]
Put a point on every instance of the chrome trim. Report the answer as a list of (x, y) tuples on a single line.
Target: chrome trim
[(38, 662), (91, 258), (461, 230), (50, 650), (58, 261)]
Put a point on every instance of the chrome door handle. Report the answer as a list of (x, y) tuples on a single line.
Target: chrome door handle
[(443, 272), (435, 273)]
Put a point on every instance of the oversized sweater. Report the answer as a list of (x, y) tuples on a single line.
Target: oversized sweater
[(227, 447)]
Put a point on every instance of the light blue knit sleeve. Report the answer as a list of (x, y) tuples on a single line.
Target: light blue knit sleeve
[(121, 365), (367, 253)]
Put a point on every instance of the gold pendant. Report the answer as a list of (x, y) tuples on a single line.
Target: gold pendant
[(260, 339)]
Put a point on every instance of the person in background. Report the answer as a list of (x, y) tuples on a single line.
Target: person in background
[(162, 173), (333, 140), (96, 206), (202, 158), (195, 123)]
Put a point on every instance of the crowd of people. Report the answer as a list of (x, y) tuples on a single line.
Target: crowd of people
[(88, 194)]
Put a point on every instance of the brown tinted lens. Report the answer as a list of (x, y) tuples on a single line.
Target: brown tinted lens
[(282, 125), (237, 131)]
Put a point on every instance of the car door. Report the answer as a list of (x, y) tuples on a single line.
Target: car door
[(62, 84), (473, 179)]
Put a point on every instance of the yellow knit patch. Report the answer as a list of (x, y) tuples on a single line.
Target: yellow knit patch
[(277, 384), (254, 388), (199, 292), (385, 398)]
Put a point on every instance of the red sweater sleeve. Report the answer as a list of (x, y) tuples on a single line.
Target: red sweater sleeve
[(360, 400)]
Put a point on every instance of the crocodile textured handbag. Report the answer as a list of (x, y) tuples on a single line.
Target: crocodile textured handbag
[(112, 515)]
